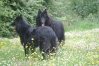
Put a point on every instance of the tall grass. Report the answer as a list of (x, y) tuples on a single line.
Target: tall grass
[(81, 48)]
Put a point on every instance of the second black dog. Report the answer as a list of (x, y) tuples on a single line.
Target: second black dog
[(43, 19)]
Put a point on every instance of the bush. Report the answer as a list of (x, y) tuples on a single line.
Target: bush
[(9, 9)]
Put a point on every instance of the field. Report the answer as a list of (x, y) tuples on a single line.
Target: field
[(81, 48)]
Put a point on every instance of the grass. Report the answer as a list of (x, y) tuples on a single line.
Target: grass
[(81, 49), (85, 24)]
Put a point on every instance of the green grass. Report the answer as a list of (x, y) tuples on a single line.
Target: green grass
[(83, 24), (81, 49)]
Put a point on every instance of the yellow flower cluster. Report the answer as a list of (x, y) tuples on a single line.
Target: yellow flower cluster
[(1, 44)]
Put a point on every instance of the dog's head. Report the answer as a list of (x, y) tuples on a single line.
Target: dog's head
[(42, 17), (17, 19)]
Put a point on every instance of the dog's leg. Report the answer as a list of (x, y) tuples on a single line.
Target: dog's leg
[(43, 50), (44, 55), (32, 50), (26, 49)]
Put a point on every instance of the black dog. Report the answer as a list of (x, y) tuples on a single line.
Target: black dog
[(43, 19), (32, 37)]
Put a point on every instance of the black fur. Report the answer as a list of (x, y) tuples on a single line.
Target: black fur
[(32, 37), (44, 37), (21, 27), (43, 19)]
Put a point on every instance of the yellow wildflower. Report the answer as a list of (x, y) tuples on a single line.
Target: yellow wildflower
[(26, 47), (32, 39)]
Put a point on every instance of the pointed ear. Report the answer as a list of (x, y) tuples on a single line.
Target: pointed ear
[(45, 11), (39, 11), (20, 15)]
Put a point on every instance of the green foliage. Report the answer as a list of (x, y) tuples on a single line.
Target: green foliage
[(67, 11), (84, 8), (9, 9)]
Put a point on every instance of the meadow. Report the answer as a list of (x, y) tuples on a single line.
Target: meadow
[(81, 21), (81, 48)]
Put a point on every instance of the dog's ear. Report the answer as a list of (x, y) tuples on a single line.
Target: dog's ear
[(20, 15), (39, 12), (45, 11)]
